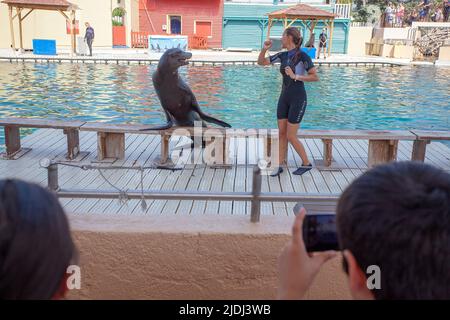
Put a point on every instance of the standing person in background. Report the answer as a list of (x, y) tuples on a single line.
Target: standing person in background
[(400, 15), (323, 43), (89, 37), (424, 12), (446, 9), (389, 15), (437, 15)]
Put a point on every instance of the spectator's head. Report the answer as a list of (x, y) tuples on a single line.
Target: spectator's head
[(87, 24), (397, 217), (35, 242)]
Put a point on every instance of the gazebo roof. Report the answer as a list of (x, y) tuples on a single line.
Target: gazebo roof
[(302, 11), (42, 4)]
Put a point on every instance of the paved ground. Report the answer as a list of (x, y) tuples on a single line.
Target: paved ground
[(198, 55)]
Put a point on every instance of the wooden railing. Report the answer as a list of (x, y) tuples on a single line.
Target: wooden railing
[(198, 42), (139, 39)]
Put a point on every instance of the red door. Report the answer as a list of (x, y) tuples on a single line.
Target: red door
[(203, 28), (119, 36)]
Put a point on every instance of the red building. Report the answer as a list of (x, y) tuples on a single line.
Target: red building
[(185, 17)]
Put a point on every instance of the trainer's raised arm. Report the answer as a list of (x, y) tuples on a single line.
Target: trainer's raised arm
[(262, 60)]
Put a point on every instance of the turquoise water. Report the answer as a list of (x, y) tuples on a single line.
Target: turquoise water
[(244, 96)]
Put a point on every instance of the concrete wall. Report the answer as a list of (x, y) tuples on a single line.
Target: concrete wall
[(444, 53), (391, 33), (176, 257), (357, 38), (131, 18), (51, 25)]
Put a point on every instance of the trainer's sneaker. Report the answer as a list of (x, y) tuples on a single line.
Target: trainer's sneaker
[(303, 169), (277, 172)]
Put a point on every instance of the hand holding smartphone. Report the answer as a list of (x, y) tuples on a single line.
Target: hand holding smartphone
[(319, 231)]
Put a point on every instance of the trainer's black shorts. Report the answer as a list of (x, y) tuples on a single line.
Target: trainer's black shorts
[(291, 106)]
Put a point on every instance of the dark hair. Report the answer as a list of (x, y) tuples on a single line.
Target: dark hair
[(297, 38), (36, 246), (397, 216), (295, 34)]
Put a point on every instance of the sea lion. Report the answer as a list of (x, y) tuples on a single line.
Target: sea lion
[(177, 100)]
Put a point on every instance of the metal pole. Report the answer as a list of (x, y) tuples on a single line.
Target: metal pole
[(52, 171), (256, 192)]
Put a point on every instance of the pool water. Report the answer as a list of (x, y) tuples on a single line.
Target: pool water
[(244, 96)]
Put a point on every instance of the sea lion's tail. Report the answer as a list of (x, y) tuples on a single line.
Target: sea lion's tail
[(214, 120), (166, 126)]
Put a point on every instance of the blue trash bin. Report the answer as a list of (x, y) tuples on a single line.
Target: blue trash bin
[(311, 52), (44, 47)]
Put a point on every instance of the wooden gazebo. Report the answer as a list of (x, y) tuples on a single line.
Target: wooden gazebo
[(61, 6), (308, 15)]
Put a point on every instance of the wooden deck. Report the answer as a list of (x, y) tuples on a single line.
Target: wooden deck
[(350, 158)]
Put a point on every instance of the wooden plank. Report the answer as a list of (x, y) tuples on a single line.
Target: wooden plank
[(239, 207), (226, 207), (357, 134), (358, 157), (431, 135), (118, 128), (95, 181), (27, 168), (149, 149), (184, 176), (185, 206), (441, 153), (198, 207), (121, 178), (212, 207), (40, 123)]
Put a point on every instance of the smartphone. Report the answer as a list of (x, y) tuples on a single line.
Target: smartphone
[(319, 231)]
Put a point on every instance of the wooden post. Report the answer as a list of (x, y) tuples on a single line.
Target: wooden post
[(12, 140), (72, 18), (381, 151), (330, 44), (327, 152), (267, 142), (19, 15), (73, 143), (110, 145), (11, 26), (164, 148), (419, 150)]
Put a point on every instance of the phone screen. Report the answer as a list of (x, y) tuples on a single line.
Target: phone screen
[(319, 232)]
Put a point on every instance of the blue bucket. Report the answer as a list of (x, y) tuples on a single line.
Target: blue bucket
[(44, 47), (311, 52)]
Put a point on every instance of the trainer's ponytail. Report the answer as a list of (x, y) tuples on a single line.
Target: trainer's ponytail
[(297, 38)]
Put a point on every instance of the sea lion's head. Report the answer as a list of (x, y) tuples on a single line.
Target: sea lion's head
[(175, 58)]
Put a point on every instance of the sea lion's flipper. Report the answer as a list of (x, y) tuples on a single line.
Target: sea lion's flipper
[(214, 120), (166, 126), (204, 116)]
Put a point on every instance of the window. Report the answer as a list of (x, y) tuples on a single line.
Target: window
[(175, 24), (203, 28)]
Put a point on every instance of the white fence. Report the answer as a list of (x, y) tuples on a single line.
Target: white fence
[(343, 10)]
